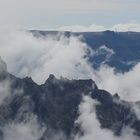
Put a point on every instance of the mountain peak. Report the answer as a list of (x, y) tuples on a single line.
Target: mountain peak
[(3, 66), (51, 78)]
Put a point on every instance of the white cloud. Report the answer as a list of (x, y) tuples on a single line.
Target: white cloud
[(62, 56), (91, 126), (103, 50), (27, 55), (122, 27), (80, 28), (23, 131), (127, 85), (132, 26)]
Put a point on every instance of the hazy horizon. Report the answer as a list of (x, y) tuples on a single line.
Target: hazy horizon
[(44, 14)]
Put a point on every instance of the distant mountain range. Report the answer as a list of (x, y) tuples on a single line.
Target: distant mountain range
[(121, 49), (56, 105)]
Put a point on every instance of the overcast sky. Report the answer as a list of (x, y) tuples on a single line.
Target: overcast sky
[(55, 13)]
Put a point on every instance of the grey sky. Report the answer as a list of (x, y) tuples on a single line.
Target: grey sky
[(54, 13)]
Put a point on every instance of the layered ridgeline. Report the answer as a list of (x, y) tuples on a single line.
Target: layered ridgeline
[(117, 49), (53, 108)]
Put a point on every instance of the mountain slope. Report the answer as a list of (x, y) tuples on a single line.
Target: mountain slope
[(55, 104)]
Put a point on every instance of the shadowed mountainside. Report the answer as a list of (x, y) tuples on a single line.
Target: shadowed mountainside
[(56, 105)]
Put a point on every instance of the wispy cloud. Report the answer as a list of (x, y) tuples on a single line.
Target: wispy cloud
[(37, 57), (62, 56), (30, 130), (91, 126)]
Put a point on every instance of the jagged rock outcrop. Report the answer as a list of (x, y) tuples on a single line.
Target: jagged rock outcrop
[(55, 104)]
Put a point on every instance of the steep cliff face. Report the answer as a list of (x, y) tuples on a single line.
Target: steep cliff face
[(56, 105)]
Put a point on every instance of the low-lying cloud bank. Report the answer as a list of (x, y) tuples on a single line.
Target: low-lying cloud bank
[(27, 55), (121, 27)]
